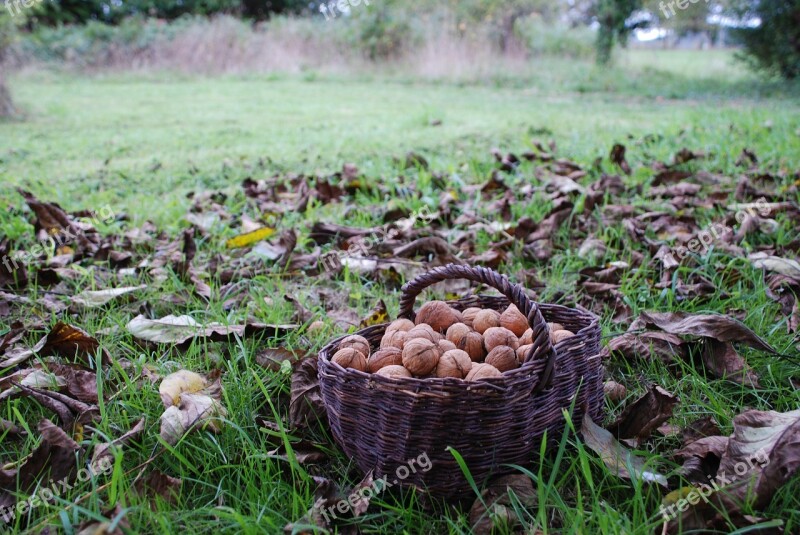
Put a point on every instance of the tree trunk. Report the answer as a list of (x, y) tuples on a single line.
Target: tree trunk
[(6, 105)]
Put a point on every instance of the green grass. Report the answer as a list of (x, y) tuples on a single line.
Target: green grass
[(140, 144)]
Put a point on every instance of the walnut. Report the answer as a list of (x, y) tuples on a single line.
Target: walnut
[(400, 325), (503, 358), (482, 371), (394, 372), (316, 327), (438, 314), (468, 316), (526, 338), (457, 331), (514, 320), (445, 345), (394, 339), (454, 363), (359, 343), (420, 356), (350, 358), (614, 391), (424, 331), (472, 343), (499, 336), (555, 327), (387, 356), (522, 352), (559, 336), (486, 319)]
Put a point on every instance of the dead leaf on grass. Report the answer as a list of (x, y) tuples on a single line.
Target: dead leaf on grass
[(619, 460)]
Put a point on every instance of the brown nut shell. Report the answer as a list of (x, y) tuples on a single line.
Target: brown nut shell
[(503, 358), (351, 359), (401, 324), (526, 338), (514, 320), (394, 372), (454, 363), (614, 391), (394, 339), (468, 316), (424, 331), (472, 343), (438, 314), (388, 356), (359, 343), (420, 356), (457, 331), (522, 352), (499, 336), (482, 371), (555, 327), (486, 319), (559, 336), (445, 345)]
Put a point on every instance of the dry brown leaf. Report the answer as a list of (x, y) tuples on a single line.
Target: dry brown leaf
[(639, 419), (181, 329), (616, 457), (54, 459), (305, 407), (716, 326)]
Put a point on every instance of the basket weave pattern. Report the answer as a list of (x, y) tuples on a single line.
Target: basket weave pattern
[(382, 423)]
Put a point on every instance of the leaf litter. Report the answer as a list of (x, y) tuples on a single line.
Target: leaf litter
[(219, 253)]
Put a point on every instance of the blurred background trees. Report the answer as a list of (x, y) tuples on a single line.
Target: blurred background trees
[(7, 33), (774, 45), (97, 32)]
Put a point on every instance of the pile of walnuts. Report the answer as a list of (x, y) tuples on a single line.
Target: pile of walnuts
[(474, 344)]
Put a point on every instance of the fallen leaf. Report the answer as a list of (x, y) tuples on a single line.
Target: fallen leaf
[(495, 508), (666, 347), (246, 240), (180, 329), (305, 407), (722, 360), (714, 326), (784, 266), (103, 452), (159, 484), (194, 410), (616, 457), (275, 358), (53, 460), (91, 299), (639, 419)]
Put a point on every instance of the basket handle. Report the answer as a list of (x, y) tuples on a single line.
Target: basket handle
[(542, 348)]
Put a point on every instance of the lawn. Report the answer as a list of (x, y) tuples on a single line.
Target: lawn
[(152, 146)]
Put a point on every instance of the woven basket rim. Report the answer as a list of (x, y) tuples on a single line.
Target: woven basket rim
[(493, 383)]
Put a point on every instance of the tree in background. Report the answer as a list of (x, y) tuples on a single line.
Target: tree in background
[(504, 14), (692, 20), (56, 12), (613, 17), (7, 32), (774, 45)]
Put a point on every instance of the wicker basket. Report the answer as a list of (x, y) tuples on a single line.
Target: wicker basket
[(383, 423)]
